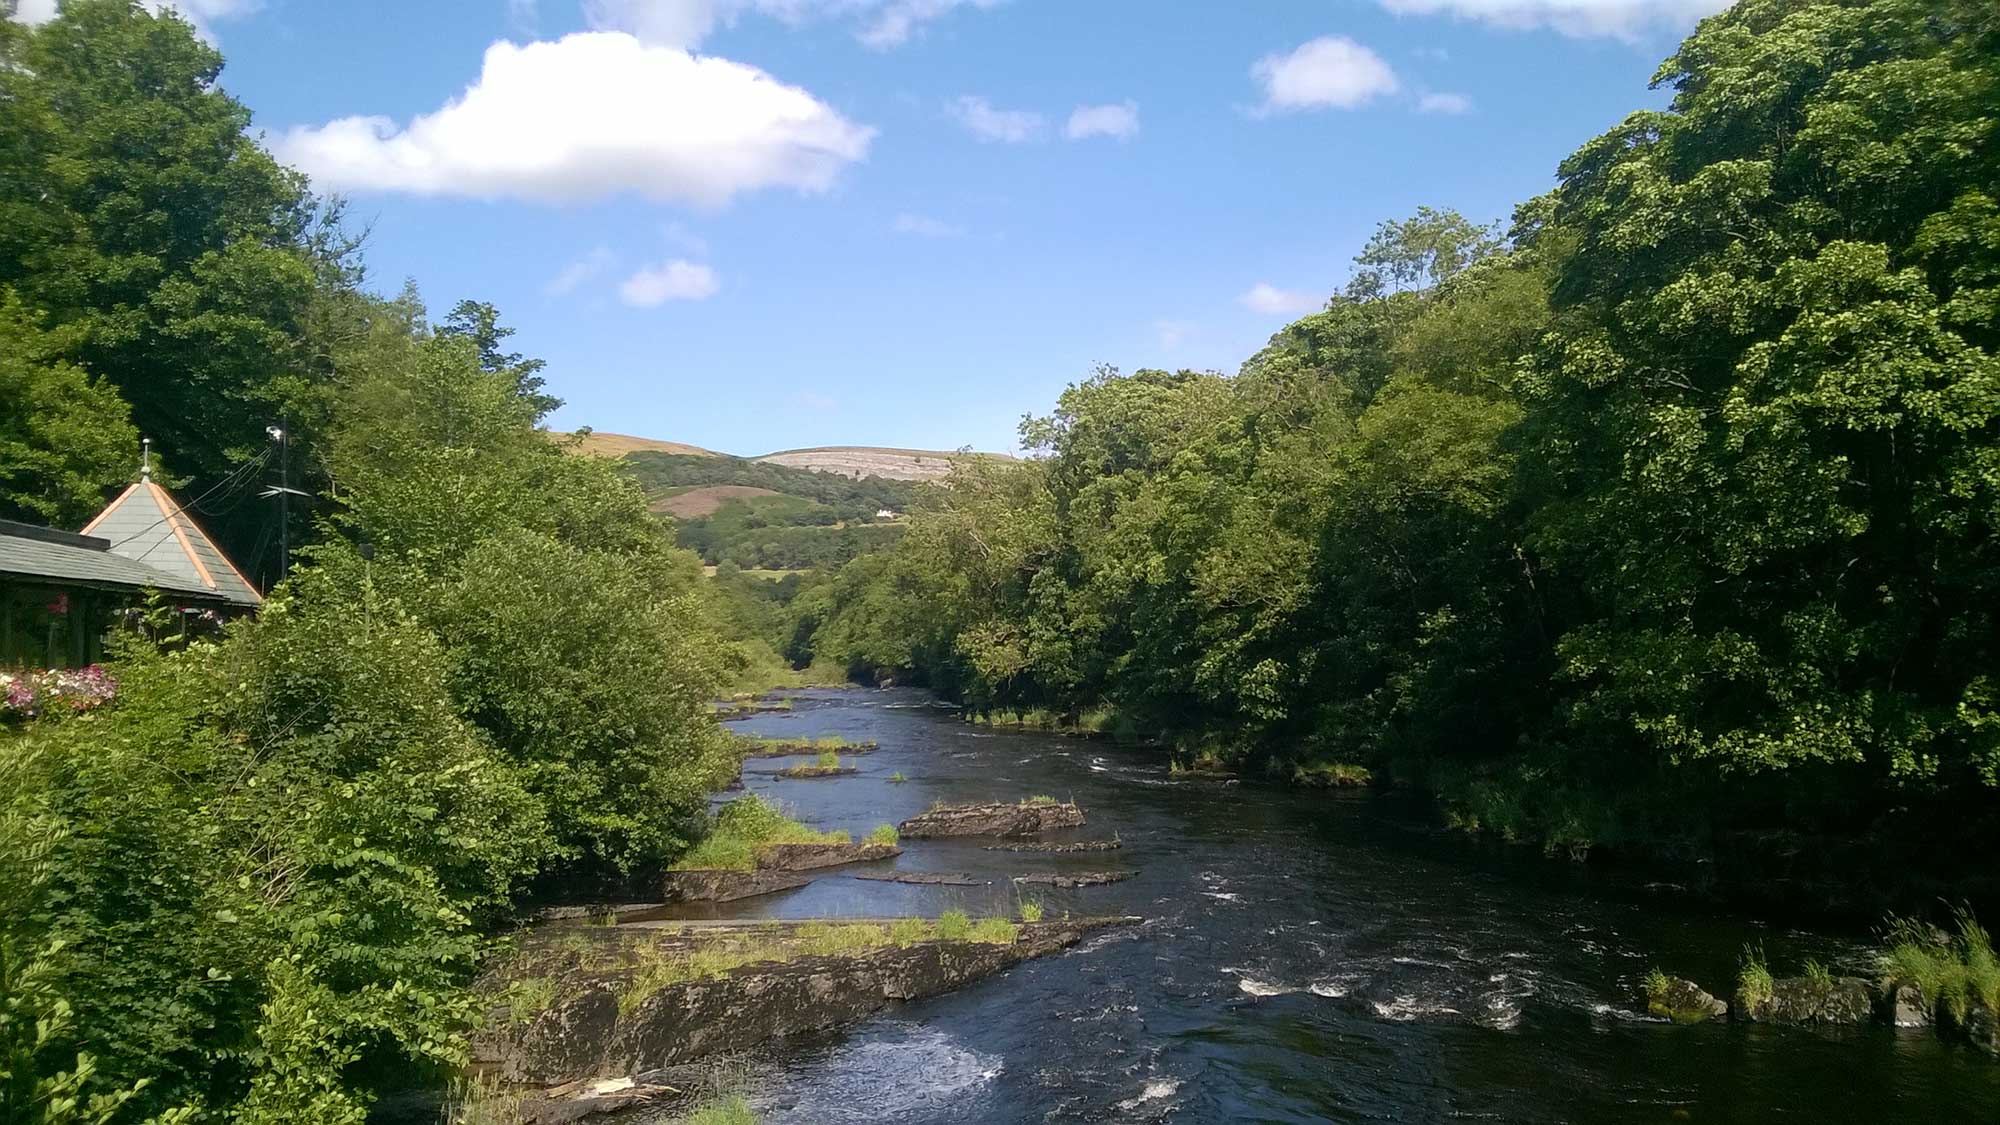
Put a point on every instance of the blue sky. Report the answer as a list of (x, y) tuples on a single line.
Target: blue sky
[(903, 231)]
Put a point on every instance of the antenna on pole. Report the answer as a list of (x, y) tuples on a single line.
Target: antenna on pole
[(145, 459), (284, 495)]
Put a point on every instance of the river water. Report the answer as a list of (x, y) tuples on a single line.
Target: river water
[(1306, 956)]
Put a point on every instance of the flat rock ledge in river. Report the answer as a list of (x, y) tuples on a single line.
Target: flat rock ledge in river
[(592, 1033), (923, 878), (995, 819), (780, 867), (1074, 878)]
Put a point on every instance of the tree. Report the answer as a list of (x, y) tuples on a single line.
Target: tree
[(64, 438), (165, 248), (480, 322)]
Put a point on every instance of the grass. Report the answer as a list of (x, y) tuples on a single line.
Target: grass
[(908, 931), (991, 931), (883, 834), (1753, 979), (1031, 912), (1655, 985), (828, 760), (743, 826), (530, 997), (953, 925), (1954, 970), (1818, 973), (897, 777), (733, 1110), (1041, 799), (479, 1100)]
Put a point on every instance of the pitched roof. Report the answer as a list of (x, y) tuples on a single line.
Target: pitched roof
[(41, 552), (145, 524)]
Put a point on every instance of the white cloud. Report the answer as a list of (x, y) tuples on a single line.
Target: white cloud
[(926, 226), (1329, 71), (1266, 298), (588, 116), (879, 24), (584, 269), (1172, 333), (1119, 119), (1618, 19), (669, 281), (1444, 103), (1009, 126)]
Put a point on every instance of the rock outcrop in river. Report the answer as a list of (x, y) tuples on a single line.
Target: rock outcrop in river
[(643, 1000), (993, 819), (779, 868)]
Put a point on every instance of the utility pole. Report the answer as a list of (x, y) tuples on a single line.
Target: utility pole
[(284, 492)]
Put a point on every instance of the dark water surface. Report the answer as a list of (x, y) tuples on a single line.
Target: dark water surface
[(1306, 957)]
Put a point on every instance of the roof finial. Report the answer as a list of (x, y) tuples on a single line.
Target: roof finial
[(145, 459)]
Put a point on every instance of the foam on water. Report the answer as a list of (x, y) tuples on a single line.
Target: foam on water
[(1156, 1089)]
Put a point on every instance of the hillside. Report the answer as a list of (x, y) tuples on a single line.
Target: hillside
[(859, 461), (696, 502), (602, 444), (852, 461)]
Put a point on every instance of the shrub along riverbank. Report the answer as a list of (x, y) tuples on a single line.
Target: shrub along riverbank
[(1664, 520)]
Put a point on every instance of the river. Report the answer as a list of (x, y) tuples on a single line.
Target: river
[(1306, 956)]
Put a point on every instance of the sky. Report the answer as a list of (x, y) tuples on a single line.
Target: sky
[(755, 225)]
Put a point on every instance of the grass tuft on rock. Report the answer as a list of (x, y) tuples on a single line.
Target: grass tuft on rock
[(1753, 980), (1955, 971), (741, 827), (884, 834), (734, 1110)]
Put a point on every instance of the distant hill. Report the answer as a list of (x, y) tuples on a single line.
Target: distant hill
[(859, 461), (618, 445), (853, 461)]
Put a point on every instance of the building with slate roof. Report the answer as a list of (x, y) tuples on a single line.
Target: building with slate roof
[(58, 589)]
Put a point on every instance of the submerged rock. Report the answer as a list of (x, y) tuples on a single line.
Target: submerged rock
[(1683, 1001), (1075, 879), (1058, 849), (587, 1033), (994, 819), (923, 878), (1832, 1000)]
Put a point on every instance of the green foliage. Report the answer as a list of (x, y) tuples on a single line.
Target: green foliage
[(1655, 985), (1031, 912), (64, 437), (883, 834)]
